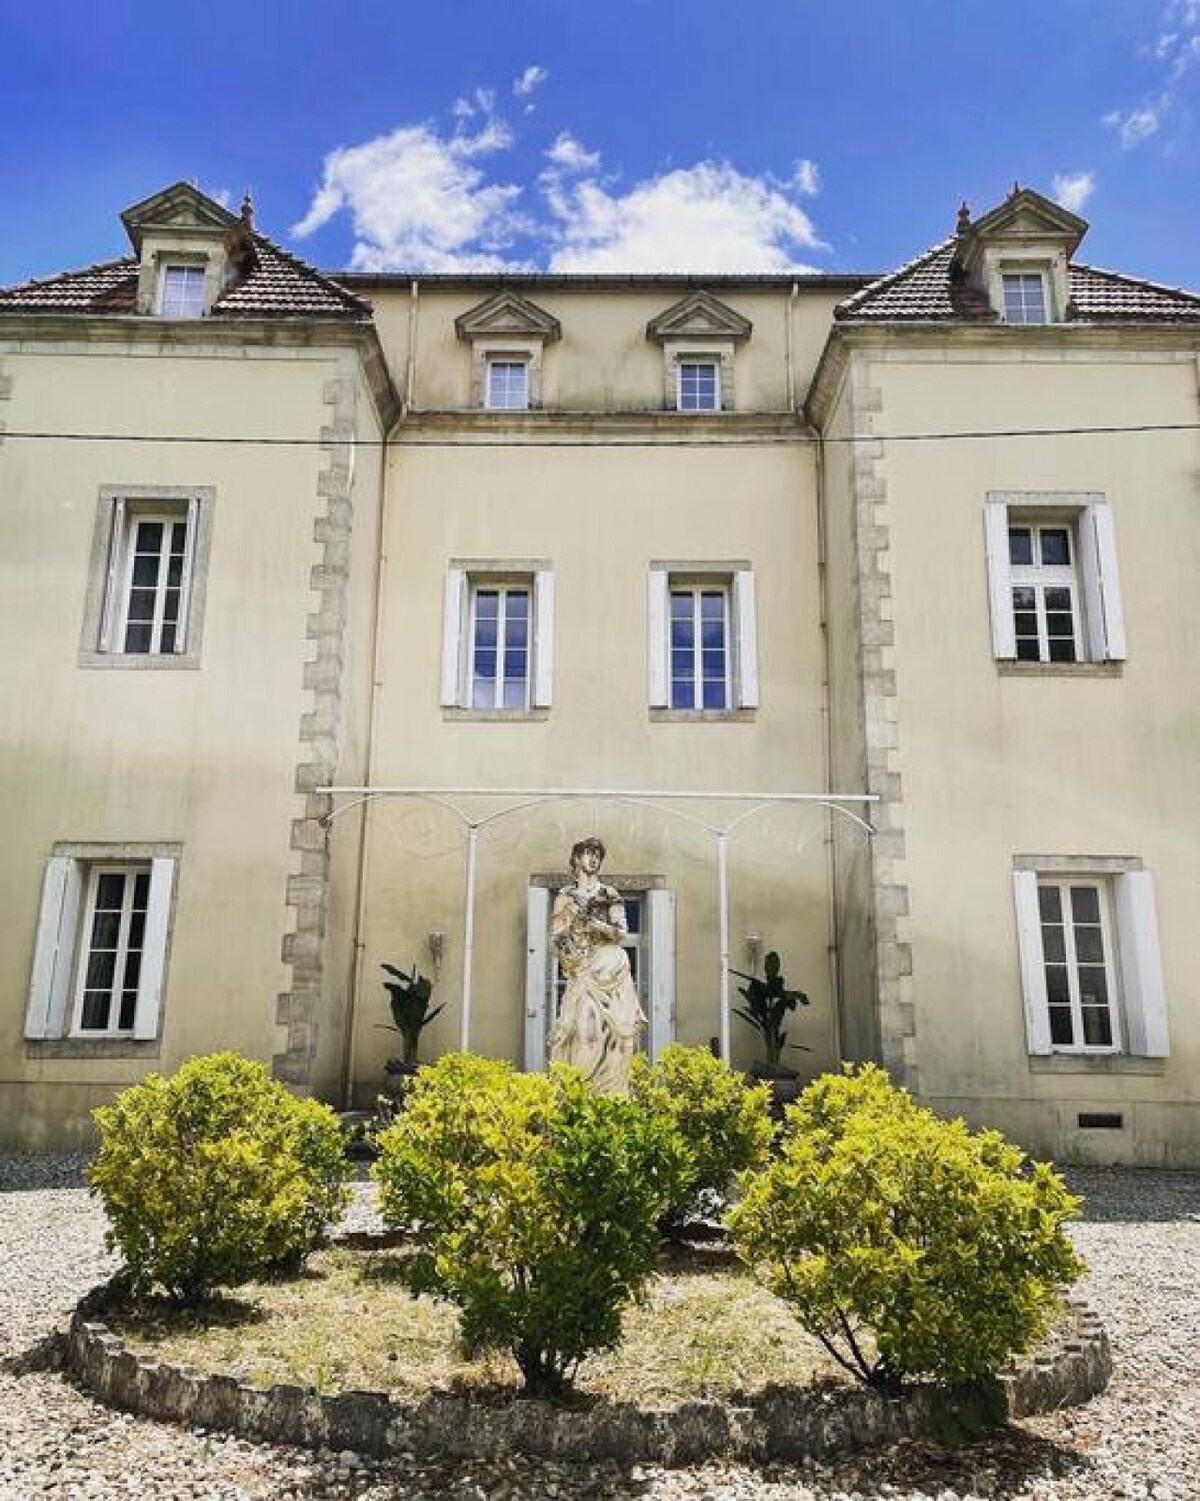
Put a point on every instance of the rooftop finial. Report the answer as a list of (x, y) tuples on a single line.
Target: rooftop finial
[(248, 210), (1016, 188), (964, 217)]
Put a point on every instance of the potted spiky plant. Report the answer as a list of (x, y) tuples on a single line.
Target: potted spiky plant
[(769, 1002), (408, 996)]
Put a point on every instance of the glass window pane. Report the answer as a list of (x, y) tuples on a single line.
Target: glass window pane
[(101, 969), (714, 693), (1027, 649), (1058, 990), (1061, 1031), (1059, 600), (1089, 945), (1020, 545), (110, 890), (1056, 546), (1050, 903), (683, 693), (94, 1016), (1093, 985), (128, 1009), (1054, 947), (1085, 904), (1097, 1026)]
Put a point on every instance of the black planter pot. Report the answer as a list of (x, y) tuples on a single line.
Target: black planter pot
[(785, 1086)]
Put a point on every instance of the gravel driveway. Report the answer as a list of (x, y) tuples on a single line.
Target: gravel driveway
[(1141, 1237)]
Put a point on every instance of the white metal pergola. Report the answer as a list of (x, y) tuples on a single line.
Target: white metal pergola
[(520, 799)]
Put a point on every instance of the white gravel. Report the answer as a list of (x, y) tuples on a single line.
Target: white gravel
[(1140, 1439)]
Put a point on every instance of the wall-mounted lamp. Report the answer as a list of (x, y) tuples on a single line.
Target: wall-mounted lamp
[(754, 950), (436, 941)]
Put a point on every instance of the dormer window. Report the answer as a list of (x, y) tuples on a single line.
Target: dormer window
[(508, 335), (698, 385), (1025, 298), (181, 291), (698, 336), (507, 383)]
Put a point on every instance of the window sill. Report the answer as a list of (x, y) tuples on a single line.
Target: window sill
[(703, 716), (497, 716), (142, 661), (1060, 669), (1095, 1063), (91, 1047)]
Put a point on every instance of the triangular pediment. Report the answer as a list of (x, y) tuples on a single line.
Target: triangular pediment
[(1027, 216), (507, 314), (180, 207), (699, 315)]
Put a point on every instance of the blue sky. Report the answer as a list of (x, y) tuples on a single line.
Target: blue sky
[(641, 134)]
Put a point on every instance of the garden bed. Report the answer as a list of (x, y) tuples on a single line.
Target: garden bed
[(344, 1356)]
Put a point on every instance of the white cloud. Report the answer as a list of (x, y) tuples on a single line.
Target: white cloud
[(1135, 126), (1073, 189), (806, 178), (709, 217), (420, 200), (1177, 50), (570, 154), (529, 80)]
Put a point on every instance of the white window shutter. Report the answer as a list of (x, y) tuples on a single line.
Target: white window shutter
[(1102, 584), (1033, 964), (658, 638), (746, 618), (112, 584), (54, 949), (661, 912), (185, 577), (453, 673), (154, 950), (543, 638), (1141, 966), (1004, 630), (537, 976)]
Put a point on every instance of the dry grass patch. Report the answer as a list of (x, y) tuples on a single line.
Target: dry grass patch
[(705, 1330)]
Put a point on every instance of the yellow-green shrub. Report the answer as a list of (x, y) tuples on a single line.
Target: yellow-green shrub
[(215, 1175), (533, 1205), (908, 1245), (724, 1120)]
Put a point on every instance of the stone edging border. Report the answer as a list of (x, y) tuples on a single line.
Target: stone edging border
[(777, 1424)]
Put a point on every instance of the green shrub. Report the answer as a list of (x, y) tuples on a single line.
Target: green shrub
[(906, 1244), (724, 1121), (215, 1175), (533, 1204)]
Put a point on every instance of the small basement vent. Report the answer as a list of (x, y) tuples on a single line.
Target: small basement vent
[(1099, 1120)]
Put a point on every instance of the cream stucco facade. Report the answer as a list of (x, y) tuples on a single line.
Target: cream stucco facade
[(352, 506)]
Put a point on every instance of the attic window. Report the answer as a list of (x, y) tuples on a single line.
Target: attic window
[(1024, 297), (181, 292)]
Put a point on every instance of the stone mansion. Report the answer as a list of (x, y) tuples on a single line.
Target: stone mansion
[(853, 614)]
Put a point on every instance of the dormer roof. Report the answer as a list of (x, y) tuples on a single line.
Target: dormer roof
[(699, 315), (182, 206), (267, 281), (943, 284), (508, 314)]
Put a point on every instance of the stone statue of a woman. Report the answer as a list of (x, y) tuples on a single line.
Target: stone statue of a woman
[(601, 1017)]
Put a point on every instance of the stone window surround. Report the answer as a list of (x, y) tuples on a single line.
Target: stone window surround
[(90, 654), (101, 1048), (486, 348), (484, 571), (160, 251), (1050, 265), (697, 347), (693, 571)]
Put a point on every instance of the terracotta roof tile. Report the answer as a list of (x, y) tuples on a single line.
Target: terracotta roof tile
[(925, 290), (278, 285)]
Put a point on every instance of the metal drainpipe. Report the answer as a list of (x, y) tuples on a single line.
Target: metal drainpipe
[(833, 943)]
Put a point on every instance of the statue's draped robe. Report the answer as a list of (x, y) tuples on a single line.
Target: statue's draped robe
[(601, 1017)]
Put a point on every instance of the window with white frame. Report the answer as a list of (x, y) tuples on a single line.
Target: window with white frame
[(507, 384), (698, 385), (1045, 591), (498, 638), (101, 945), (1024, 297), (149, 564), (1091, 972), (650, 943), (1053, 579), (181, 291), (702, 652)]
